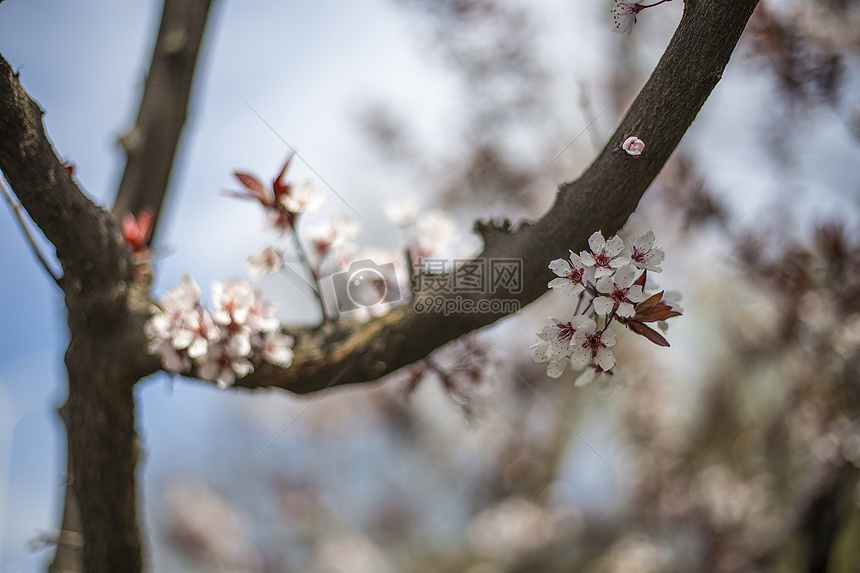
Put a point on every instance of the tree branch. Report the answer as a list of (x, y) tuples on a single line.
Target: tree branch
[(151, 144), (601, 199)]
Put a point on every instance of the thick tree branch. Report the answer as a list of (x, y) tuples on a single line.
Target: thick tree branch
[(106, 311), (152, 142), (601, 199), (105, 356)]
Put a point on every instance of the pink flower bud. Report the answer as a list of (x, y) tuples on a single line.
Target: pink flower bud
[(633, 146)]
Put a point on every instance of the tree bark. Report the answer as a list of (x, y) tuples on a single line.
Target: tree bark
[(106, 309)]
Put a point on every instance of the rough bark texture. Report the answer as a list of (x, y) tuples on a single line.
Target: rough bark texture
[(107, 351), (106, 309)]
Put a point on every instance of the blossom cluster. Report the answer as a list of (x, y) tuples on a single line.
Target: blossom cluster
[(326, 249), (608, 287), (221, 341)]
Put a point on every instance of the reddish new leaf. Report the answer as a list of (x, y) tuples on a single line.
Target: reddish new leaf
[(254, 185), (654, 309), (647, 332)]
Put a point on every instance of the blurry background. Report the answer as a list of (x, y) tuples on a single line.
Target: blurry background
[(733, 450)]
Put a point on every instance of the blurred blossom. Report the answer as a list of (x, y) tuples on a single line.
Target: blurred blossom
[(510, 530), (277, 348), (402, 213), (332, 237), (206, 527), (846, 338), (304, 199), (728, 499), (266, 262), (350, 552), (634, 554), (436, 233)]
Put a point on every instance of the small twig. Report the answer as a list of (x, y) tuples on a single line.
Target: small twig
[(313, 271), (16, 209)]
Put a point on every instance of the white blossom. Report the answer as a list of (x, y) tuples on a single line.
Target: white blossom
[(170, 329), (619, 295), (604, 254), (644, 255), (232, 302), (195, 332), (571, 275), (624, 16), (590, 345), (553, 346)]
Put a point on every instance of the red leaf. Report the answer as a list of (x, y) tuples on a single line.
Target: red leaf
[(654, 309), (647, 332), (253, 185)]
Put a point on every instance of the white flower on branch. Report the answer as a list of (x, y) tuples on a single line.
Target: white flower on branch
[(604, 254), (620, 294), (553, 346), (220, 342), (591, 346), (644, 255), (571, 275), (624, 14)]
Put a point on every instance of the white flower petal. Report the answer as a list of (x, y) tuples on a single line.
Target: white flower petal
[(625, 310), (605, 359), (555, 368), (596, 242), (585, 378)]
